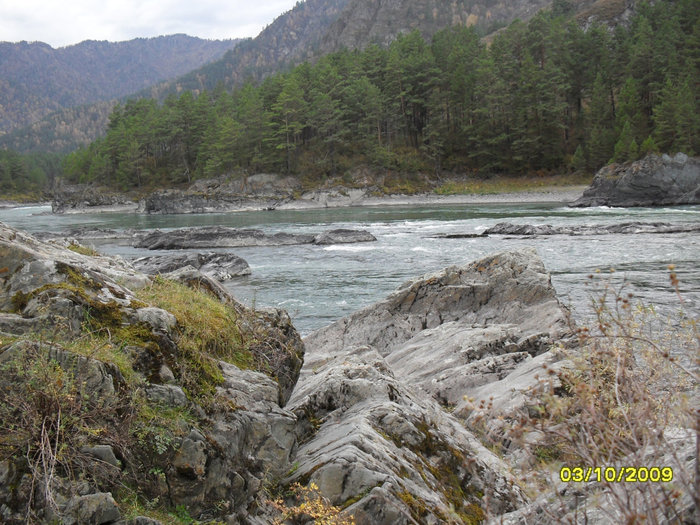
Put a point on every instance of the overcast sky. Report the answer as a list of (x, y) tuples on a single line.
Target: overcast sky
[(65, 22)]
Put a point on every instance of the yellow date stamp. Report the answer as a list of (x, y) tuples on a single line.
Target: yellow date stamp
[(616, 474)]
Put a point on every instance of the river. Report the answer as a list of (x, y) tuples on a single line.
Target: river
[(319, 284)]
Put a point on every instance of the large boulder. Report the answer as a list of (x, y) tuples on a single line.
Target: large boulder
[(388, 451), (652, 181), (388, 454)]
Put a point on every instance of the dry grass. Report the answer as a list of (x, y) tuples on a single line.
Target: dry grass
[(505, 184), (207, 331), (630, 389)]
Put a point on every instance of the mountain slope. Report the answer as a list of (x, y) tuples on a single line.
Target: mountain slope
[(317, 27), (311, 29), (293, 37), (36, 80)]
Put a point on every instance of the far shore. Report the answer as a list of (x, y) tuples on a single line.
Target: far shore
[(563, 194), (327, 199)]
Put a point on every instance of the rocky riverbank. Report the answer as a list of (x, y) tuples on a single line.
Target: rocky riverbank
[(653, 181), (276, 192), (165, 395)]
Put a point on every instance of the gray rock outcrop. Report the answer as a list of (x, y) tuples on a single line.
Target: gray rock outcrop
[(652, 181), (511, 288), (219, 266), (82, 197), (255, 192), (108, 368), (391, 455), (225, 237), (370, 441)]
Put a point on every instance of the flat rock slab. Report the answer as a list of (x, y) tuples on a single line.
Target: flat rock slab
[(225, 237), (507, 228)]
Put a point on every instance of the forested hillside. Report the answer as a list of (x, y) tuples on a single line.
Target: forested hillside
[(311, 29), (36, 79), (544, 95), (315, 28)]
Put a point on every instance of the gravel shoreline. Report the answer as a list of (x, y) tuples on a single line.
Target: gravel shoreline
[(357, 198), (555, 195)]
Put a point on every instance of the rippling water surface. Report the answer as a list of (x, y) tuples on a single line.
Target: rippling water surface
[(319, 284)]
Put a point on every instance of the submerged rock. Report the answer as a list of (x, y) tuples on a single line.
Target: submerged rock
[(652, 181), (507, 228)]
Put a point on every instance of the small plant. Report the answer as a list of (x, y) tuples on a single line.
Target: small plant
[(83, 250), (310, 507)]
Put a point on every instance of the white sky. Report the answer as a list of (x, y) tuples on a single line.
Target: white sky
[(65, 22)]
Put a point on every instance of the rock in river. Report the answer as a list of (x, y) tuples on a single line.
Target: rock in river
[(652, 181), (219, 266), (526, 230), (225, 237), (344, 236)]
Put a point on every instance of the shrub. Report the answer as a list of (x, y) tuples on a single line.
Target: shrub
[(309, 506), (628, 394)]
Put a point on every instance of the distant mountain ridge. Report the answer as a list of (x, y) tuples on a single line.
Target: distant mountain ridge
[(37, 80), (317, 27), (310, 30)]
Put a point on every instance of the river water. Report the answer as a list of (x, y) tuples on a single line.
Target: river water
[(319, 284)]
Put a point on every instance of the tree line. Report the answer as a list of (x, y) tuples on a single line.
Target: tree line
[(540, 96)]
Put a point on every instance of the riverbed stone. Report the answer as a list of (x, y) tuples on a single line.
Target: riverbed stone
[(343, 236), (93, 509)]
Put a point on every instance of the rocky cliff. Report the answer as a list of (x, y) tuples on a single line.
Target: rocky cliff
[(653, 181)]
